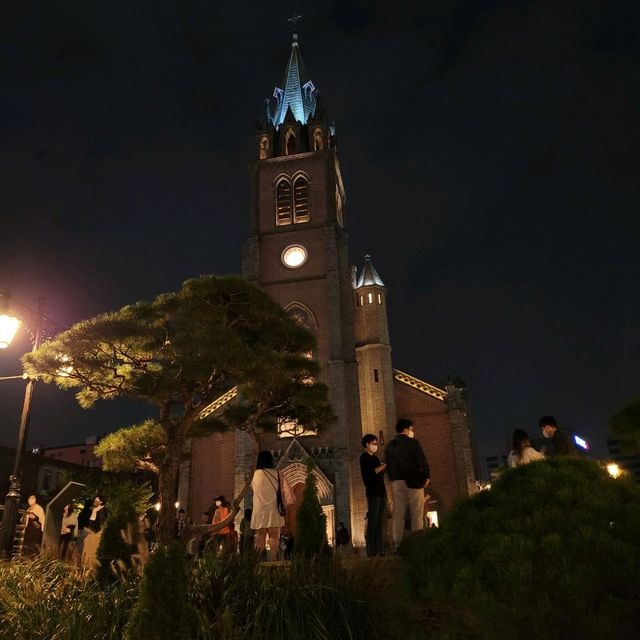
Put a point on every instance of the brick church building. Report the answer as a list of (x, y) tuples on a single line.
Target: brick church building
[(297, 251)]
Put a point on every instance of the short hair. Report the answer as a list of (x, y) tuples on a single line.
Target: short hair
[(367, 438), (265, 460), (402, 424), (547, 421)]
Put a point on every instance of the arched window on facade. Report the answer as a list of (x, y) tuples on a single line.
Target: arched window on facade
[(301, 199), (283, 202), (264, 147), (290, 142), (339, 214), (318, 141)]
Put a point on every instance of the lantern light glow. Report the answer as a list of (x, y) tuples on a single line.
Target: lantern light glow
[(8, 327)]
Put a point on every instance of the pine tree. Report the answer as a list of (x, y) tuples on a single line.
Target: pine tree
[(311, 539), (178, 354)]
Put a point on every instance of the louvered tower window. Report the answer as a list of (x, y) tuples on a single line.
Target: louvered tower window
[(283, 202), (301, 200)]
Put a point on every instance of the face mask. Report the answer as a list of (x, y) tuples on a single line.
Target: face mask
[(411, 434), (218, 503), (373, 448)]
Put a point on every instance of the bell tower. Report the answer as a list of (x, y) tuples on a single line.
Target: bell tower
[(297, 251)]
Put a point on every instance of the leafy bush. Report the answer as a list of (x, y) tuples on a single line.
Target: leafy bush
[(552, 550), (163, 611), (45, 599), (311, 532)]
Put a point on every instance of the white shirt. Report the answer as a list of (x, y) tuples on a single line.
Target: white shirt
[(529, 454)]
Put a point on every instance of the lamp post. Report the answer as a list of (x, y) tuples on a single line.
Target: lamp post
[(12, 501)]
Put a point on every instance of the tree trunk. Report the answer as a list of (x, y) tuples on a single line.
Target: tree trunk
[(168, 486)]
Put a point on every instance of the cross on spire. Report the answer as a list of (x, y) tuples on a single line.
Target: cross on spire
[(294, 19)]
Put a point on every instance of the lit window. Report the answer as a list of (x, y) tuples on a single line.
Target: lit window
[(288, 428), (301, 200), (283, 202), (379, 298), (370, 296), (361, 300)]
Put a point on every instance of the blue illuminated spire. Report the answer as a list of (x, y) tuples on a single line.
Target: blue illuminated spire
[(299, 93)]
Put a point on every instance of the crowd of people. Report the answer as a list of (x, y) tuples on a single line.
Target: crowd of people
[(396, 492), (407, 471)]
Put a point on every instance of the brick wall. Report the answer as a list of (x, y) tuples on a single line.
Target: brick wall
[(432, 429), (212, 471)]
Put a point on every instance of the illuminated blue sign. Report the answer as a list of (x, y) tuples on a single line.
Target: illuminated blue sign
[(581, 442)]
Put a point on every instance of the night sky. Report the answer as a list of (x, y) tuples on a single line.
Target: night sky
[(490, 152)]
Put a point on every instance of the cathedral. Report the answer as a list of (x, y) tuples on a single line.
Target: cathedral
[(297, 251)]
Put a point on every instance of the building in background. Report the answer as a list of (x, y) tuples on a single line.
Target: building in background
[(297, 251), (629, 462), (81, 454)]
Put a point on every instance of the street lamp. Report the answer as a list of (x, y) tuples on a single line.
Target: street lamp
[(8, 328)]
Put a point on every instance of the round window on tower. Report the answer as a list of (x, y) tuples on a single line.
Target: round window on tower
[(294, 256)]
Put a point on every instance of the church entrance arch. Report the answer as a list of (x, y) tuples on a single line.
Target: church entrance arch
[(296, 475)]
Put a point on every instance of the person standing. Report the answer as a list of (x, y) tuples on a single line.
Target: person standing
[(409, 474), (265, 517), (34, 526), (372, 471), (560, 441), (221, 536), (247, 535), (68, 532), (522, 452), (94, 527)]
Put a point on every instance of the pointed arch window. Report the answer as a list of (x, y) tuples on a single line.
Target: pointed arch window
[(301, 199), (290, 142), (284, 202)]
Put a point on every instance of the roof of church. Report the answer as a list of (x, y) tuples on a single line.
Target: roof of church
[(369, 275), (401, 376), (299, 94), (420, 385)]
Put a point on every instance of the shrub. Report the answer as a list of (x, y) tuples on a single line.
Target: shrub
[(552, 550), (311, 531), (45, 599), (163, 611), (118, 542)]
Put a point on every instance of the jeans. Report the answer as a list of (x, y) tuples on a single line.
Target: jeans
[(403, 497), (375, 521)]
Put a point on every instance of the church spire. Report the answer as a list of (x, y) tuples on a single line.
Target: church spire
[(369, 275), (299, 93)]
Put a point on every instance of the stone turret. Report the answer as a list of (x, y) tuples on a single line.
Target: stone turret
[(373, 354)]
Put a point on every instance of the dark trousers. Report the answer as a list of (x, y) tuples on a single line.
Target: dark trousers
[(375, 520)]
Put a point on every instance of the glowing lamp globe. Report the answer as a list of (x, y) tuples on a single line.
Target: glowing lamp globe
[(614, 470), (8, 327)]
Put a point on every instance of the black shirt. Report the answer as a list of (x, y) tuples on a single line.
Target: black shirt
[(562, 445), (374, 482)]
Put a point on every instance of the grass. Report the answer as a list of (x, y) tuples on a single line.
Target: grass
[(236, 598)]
